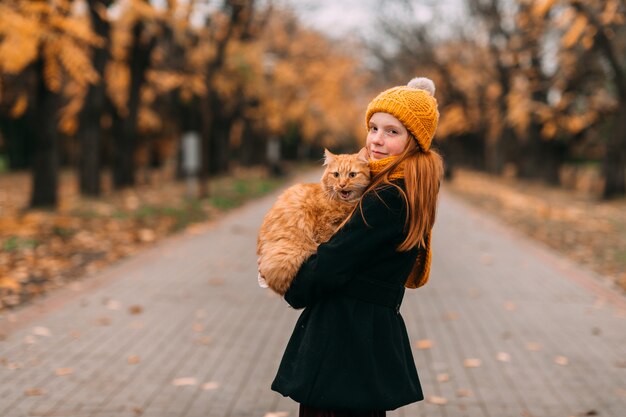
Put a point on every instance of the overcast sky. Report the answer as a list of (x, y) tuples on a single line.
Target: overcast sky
[(341, 18)]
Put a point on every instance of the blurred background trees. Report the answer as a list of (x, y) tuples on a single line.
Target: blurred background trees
[(533, 88)]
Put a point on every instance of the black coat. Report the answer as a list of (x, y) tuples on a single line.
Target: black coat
[(350, 349)]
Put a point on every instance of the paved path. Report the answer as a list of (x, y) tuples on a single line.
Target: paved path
[(182, 330)]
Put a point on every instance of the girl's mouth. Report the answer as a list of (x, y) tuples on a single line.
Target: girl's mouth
[(377, 153)]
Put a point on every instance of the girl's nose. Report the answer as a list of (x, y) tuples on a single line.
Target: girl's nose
[(378, 138)]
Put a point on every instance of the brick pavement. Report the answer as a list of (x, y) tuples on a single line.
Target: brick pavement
[(182, 330)]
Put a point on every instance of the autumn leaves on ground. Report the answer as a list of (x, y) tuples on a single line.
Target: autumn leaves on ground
[(42, 249)]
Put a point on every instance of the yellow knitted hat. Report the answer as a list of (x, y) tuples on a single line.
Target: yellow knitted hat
[(414, 105)]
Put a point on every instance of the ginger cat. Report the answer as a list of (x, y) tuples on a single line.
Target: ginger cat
[(306, 215)]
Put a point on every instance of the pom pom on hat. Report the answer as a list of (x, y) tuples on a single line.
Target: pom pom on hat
[(422, 83), (414, 105)]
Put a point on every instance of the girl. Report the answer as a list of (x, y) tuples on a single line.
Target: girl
[(349, 354)]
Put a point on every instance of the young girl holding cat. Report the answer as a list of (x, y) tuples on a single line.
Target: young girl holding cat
[(349, 354)]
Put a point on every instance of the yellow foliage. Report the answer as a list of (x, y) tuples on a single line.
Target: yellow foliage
[(117, 75), (80, 30), (549, 130), (77, 62), (148, 120), (519, 105), (610, 13), (542, 7), (19, 40), (575, 31), (52, 73), (19, 107), (164, 81), (453, 121), (75, 94)]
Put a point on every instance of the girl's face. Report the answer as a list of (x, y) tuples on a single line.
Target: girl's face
[(386, 136)]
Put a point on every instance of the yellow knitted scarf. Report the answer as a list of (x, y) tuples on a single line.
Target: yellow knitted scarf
[(421, 268), (376, 167)]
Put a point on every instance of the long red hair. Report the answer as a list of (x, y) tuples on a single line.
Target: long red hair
[(423, 173)]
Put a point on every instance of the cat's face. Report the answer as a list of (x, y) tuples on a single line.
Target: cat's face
[(346, 175)]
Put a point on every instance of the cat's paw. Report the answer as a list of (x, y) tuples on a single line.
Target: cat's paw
[(262, 282)]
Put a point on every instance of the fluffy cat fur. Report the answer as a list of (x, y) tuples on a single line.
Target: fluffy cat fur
[(306, 215)]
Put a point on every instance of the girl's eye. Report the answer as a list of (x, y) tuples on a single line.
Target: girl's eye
[(393, 132), (373, 129), (352, 174), (335, 174)]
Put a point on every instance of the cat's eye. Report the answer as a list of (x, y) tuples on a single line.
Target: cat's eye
[(336, 174), (352, 174)]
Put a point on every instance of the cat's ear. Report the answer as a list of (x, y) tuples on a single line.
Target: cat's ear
[(363, 155), (329, 157)]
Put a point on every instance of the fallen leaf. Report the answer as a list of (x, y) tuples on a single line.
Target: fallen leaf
[(198, 327), (277, 414), (473, 293), (216, 282), (114, 305), (424, 344), (181, 382), (75, 334), (464, 393), (147, 235), (596, 331), (64, 371), (486, 259), (620, 392), (205, 340), (433, 399), (503, 357), (136, 309), (14, 365), (451, 315), (42, 331), (201, 313), (600, 302), (133, 359), (103, 321), (620, 364), (34, 392), (9, 283), (207, 386), (443, 377), (471, 363), (533, 346), (29, 340), (561, 360), (510, 306), (137, 411), (137, 325)]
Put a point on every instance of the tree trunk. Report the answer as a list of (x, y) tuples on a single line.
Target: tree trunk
[(45, 165), (89, 133), (614, 164), (124, 166), (205, 144)]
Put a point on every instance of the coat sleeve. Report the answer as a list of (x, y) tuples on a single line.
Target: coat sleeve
[(379, 221)]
